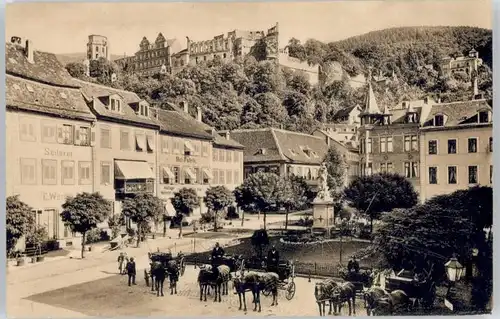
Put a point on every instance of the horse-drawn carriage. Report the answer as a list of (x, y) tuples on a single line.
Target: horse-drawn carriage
[(422, 291), (285, 271), (361, 279), (163, 259)]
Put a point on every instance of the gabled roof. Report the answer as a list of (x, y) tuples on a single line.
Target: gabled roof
[(280, 145), (174, 122), (345, 144), (343, 112), (371, 106), (93, 94), (45, 69), (457, 113), (34, 96), (225, 142)]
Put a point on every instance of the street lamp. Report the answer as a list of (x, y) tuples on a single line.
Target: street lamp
[(454, 270)]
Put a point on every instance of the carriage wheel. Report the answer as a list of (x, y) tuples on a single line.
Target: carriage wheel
[(290, 291)]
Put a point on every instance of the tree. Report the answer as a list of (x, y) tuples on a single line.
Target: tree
[(336, 167), (217, 198), (259, 191), (292, 194), (415, 237), (142, 209), (184, 202), (259, 241), (19, 220), (84, 212), (379, 193), (76, 69)]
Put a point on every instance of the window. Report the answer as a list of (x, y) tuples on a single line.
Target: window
[(49, 133), (165, 179), (383, 168), (197, 175), (27, 130), (28, 171), (67, 172), (411, 169), (491, 174), (407, 143), (490, 144), (439, 120), (164, 144), (452, 174), (433, 147), (236, 157), (389, 168), (49, 172), (84, 173), (221, 156), (432, 175), (229, 177), (483, 117), (221, 177), (383, 144), (140, 142), (177, 177), (414, 143), (229, 156), (143, 110), (236, 177), (105, 138), (368, 145), (66, 134), (124, 140), (452, 146), (472, 145), (204, 149), (369, 169), (105, 173), (362, 146), (83, 136), (215, 173), (472, 174)]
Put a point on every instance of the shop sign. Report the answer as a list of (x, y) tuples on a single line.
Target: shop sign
[(184, 159), (54, 196), (57, 153)]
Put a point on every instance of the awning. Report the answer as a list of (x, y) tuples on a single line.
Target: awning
[(141, 141), (190, 173), (168, 172), (133, 170), (188, 146), (151, 142), (207, 173)]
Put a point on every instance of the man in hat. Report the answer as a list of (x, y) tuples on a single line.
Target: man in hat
[(217, 254), (273, 258), (353, 265), (131, 271)]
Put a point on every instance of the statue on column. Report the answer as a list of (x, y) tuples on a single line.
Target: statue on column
[(323, 189)]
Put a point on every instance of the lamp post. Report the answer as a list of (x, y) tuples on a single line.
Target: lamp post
[(454, 272)]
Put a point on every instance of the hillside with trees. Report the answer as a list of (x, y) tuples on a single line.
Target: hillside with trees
[(253, 92)]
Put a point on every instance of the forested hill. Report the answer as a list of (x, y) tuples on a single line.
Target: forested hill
[(251, 92)]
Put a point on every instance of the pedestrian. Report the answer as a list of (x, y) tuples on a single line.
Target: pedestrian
[(131, 271), (121, 263)]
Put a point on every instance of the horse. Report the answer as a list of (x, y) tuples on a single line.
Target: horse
[(371, 297), (218, 277), (158, 274), (344, 292), (173, 269), (396, 301), (255, 282), (323, 291)]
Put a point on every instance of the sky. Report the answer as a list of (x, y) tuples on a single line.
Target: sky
[(65, 27)]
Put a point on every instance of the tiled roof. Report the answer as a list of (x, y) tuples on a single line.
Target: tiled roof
[(347, 144), (280, 145), (94, 92), (39, 97), (225, 142), (254, 141), (457, 112), (177, 123), (371, 106), (46, 67)]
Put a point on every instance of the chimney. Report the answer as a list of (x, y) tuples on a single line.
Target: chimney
[(28, 51), (475, 88), (198, 114), (228, 135)]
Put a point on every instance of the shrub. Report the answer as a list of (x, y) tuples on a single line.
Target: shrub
[(93, 236)]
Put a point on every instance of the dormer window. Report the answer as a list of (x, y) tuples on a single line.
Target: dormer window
[(484, 117), (262, 151), (143, 110), (115, 105), (439, 120)]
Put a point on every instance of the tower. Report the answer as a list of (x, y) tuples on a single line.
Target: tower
[(98, 47)]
